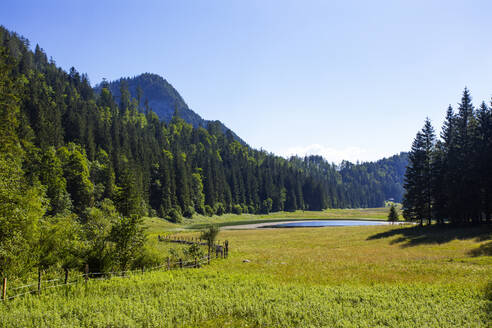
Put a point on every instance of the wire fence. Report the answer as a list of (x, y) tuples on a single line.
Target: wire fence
[(51, 283)]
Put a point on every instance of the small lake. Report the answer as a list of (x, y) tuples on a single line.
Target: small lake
[(327, 223)]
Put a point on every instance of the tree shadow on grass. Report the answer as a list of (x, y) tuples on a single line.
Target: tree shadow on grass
[(437, 234), (483, 250), (488, 297)]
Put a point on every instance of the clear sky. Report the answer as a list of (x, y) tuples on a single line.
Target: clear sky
[(345, 79)]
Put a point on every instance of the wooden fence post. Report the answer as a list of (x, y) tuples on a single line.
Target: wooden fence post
[(86, 269), (39, 280), (168, 263), (227, 248), (4, 289), (196, 263), (66, 276), (180, 263)]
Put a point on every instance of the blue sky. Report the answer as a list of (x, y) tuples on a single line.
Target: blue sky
[(345, 79)]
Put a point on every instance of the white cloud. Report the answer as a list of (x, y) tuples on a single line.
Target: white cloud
[(352, 154)]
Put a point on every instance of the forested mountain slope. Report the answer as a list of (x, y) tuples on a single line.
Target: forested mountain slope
[(78, 170), (367, 184), (86, 148), (155, 93)]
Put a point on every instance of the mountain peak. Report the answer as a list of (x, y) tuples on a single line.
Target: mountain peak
[(162, 98)]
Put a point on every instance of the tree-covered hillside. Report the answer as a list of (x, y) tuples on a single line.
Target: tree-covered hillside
[(357, 185), (78, 170), (85, 147), (155, 93)]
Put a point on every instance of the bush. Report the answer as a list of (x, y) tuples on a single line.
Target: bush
[(267, 206), (237, 209), (189, 211), (149, 257), (210, 235), (194, 251), (219, 208), (251, 209), (200, 209), (209, 211), (174, 215)]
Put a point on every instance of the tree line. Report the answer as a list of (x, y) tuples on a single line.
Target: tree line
[(449, 179), (78, 170)]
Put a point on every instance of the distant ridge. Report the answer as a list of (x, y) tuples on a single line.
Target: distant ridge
[(162, 98)]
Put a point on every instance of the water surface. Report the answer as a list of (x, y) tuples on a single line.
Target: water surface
[(327, 223)]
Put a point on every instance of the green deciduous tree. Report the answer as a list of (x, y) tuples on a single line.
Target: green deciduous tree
[(76, 172), (128, 235)]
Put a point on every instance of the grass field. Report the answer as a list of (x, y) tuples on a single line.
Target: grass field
[(373, 276)]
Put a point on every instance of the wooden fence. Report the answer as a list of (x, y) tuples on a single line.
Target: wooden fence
[(221, 250)]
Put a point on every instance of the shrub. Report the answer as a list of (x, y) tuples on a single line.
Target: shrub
[(267, 206), (194, 251), (210, 234), (189, 211), (152, 213), (209, 211), (219, 208), (200, 209), (174, 215), (237, 209), (149, 257)]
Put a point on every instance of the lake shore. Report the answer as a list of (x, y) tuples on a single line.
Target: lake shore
[(271, 225)]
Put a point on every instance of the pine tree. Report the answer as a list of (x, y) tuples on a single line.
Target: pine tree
[(460, 153), (393, 214), (483, 157), (418, 199)]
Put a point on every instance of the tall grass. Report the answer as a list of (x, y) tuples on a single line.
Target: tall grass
[(378, 276), (209, 297)]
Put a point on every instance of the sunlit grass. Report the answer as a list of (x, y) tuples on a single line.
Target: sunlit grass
[(356, 255), (207, 298), (370, 276)]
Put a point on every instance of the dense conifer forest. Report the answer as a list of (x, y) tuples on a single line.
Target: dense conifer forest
[(78, 167), (449, 179)]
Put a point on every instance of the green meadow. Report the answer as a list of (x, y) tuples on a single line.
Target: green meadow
[(372, 276)]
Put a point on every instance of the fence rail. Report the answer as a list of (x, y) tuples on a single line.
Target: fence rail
[(41, 285), (221, 248)]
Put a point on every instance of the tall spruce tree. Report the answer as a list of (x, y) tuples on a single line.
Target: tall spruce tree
[(418, 199)]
